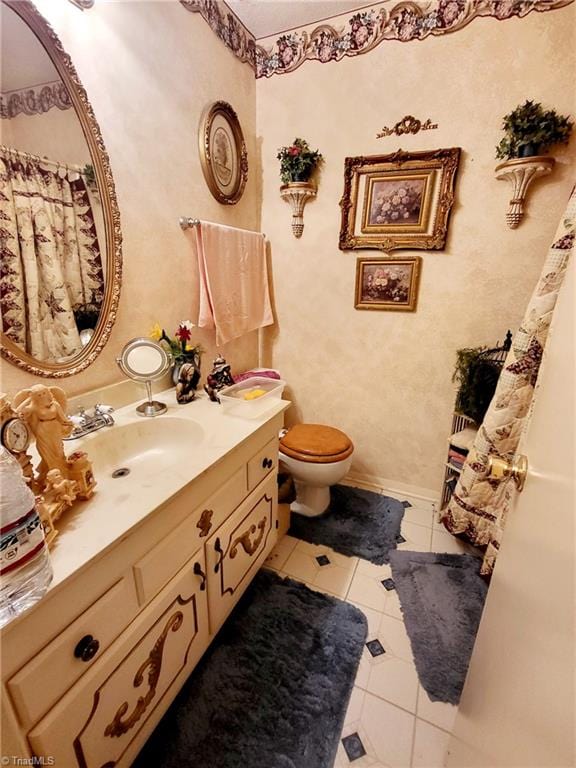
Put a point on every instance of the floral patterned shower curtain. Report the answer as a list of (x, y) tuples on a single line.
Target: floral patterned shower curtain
[(479, 506), (50, 258)]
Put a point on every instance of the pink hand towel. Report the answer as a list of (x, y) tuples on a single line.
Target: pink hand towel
[(234, 297)]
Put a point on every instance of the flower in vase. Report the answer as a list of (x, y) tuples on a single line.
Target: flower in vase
[(181, 346), (156, 332)]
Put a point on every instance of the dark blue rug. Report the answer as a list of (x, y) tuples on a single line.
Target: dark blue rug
[(442, 597), (357, 523), (273, 688)]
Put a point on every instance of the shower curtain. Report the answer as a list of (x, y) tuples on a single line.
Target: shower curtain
[(479, 506), (50, 259)]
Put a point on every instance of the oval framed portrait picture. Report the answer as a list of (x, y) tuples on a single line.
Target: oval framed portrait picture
[(223, 152)]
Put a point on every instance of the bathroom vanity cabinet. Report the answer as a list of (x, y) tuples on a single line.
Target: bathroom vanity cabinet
[(89, 671)]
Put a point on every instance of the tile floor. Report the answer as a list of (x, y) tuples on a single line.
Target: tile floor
[(390, 722)]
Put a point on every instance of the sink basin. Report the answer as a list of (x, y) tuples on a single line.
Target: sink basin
[(144, 446)]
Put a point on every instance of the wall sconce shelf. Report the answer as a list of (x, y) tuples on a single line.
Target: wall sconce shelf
[(297, 193), (521, 172)]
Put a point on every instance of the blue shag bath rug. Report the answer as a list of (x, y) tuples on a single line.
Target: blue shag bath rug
[(357, 523), (442, 597), (273, 688)]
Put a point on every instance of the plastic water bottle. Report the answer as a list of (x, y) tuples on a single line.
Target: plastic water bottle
[(25, 568)]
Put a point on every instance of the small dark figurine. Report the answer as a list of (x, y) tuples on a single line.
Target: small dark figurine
[(218, 378), (187, 383)]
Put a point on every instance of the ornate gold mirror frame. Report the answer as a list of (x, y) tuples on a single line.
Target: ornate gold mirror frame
[(111, 213)]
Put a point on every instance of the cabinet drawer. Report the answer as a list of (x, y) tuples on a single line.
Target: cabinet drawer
[(160, 564), (238, 548), (264, 462), (108, 714), (56, 668)]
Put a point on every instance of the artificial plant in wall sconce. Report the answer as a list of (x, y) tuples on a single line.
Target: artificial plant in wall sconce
[(297, 165), (529, 130)]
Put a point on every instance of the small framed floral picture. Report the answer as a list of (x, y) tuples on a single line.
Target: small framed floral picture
[(387, 283), (396, 201), (223, 153)]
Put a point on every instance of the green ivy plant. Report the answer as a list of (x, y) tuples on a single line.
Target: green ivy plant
[(89, 174), (530, 129), (477, 377), (298, 162)]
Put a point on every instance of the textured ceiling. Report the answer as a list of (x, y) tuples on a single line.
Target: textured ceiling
[(269, 17)]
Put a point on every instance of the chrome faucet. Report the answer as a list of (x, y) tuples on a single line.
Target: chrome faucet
[(84, 423)]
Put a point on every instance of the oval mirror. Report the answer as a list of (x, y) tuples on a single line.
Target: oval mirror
[(60, 230)]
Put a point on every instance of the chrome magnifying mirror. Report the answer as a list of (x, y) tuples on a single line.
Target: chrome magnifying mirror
[(144, 360)]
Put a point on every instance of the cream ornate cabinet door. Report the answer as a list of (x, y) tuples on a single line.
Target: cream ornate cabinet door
[(105, 718), (238, 548)]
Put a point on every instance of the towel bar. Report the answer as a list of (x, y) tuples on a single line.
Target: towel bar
[(186, 222)]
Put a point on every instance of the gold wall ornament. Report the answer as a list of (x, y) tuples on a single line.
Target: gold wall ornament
[(297, 193), (401, 200), (110, 211), (521, 172), (223, 154), (408, 124)]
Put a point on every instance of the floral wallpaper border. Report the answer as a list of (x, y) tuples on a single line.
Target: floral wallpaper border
[(227, 27), (35, 100), (360, 33)]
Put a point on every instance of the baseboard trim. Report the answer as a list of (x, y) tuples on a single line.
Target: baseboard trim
[(386, 485)]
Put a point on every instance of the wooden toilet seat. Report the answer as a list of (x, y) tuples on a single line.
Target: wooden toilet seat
[(316, 444)]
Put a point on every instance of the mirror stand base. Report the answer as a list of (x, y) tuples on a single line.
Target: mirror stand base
[(152, 408)]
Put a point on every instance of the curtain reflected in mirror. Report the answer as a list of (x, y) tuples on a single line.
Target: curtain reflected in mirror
[(52, 273)]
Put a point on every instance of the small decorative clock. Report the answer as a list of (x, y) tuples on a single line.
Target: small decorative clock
[(15, 435)]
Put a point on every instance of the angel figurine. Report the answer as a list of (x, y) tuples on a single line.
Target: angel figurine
[(44, 410)]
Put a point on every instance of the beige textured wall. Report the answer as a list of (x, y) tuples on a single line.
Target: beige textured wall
[(149, 69), (56, 134), (385, 377)]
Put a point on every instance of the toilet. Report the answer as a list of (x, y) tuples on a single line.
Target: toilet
[(318, 456)]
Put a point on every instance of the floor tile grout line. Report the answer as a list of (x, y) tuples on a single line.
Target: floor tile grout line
[(413, 741), (392, 703), (434, 725), (352, 579), (415, 715)]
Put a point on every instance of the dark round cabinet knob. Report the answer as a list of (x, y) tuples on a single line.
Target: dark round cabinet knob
[(86, 648), (267, 463)]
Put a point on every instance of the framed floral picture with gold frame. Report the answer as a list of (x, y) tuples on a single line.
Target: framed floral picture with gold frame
[(402, 200), (223, 152), (390, 284)]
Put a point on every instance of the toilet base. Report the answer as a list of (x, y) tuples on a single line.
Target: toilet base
[(311, 500)]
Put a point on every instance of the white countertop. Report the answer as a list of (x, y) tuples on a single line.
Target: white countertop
[(118, 505)]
